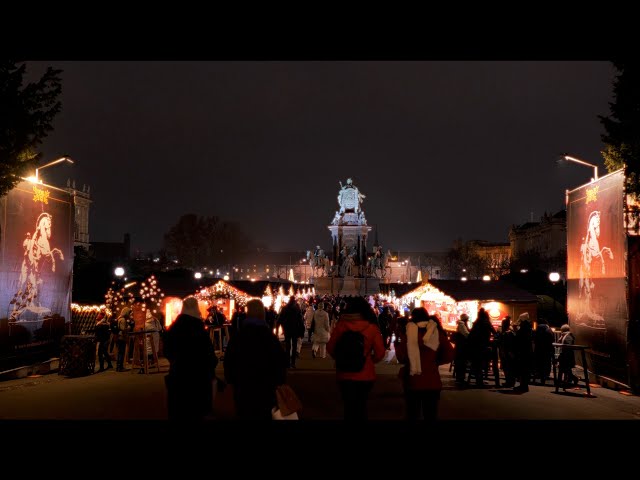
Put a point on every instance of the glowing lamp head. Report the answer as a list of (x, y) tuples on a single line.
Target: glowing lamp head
[(486, 278), (554, 276), (226, 278), (197, 275), (119, 271)]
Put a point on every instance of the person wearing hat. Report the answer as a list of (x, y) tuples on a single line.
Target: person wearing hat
[(192, 365)]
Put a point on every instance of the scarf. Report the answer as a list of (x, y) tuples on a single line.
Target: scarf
[(430, 339)]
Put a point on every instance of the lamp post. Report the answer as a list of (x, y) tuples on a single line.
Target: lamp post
[(582, 162), (553, 278), (36, 178)]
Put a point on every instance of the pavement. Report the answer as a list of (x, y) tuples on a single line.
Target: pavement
[(129, 396)]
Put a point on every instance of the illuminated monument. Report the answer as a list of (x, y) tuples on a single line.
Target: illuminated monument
[(349, 232)]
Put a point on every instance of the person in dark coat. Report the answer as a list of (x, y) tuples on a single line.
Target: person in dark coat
[(192, 364), (543, 339), (524, 352), (460, 338), (384, 320), (506, 351), (292, 323), (479, 345), (103, 334), (255, 364)]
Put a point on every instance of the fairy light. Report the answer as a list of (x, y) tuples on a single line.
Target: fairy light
[(149, 292)]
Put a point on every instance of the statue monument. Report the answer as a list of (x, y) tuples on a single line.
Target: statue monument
[(349, 274)]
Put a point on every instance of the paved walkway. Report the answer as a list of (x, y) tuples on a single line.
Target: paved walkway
[(131, 396)]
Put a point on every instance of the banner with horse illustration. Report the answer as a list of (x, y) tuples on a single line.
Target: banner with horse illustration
[(36, 266), (596, 276)]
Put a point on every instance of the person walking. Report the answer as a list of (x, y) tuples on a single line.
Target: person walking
[(422, 350), (356, 386), (254, 365), (103, 334), (321, 332), (292, 323), (192, 364)]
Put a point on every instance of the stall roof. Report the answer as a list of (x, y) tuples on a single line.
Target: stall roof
[(257, 288), (496, 290)]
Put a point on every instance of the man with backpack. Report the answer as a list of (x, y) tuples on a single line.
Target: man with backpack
[(356, 345)]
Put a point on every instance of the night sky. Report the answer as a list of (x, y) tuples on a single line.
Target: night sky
[(442, 150)]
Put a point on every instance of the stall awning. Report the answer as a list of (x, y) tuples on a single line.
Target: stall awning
[(495, 290)]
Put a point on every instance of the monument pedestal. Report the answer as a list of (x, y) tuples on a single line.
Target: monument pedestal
[(349, 287), (354, 286)]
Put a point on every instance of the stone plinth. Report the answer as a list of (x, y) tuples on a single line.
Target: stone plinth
[(346, 286)]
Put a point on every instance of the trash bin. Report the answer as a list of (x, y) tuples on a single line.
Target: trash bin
[(77, 355)]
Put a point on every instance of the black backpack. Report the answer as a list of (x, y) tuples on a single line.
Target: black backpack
[(349, 352)]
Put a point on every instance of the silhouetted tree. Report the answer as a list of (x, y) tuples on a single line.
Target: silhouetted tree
[(205, 241), (26, 115), (463, 260), (622, 128)]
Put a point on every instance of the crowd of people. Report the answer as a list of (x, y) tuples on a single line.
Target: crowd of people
[(357, 333)]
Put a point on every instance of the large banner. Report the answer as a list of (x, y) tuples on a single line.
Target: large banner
[(36, 266), (596, 288)]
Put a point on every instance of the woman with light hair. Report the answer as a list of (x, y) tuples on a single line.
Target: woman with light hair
[(321, 331)]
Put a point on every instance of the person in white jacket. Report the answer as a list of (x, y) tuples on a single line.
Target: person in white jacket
[(308, 318), (152, 325), (320, 332)]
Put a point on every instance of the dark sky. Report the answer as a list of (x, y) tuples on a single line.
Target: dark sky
[(442, 150)]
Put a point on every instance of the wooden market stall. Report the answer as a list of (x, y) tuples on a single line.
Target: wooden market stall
[(451, 298)]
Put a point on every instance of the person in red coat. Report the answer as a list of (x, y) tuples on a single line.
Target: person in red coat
[(422, 349), (356, 386)]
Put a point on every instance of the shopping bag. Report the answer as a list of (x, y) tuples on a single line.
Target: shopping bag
[(288, 401), (276, 414)]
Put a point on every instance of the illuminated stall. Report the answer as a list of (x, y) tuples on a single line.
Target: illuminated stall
[(451, 298), (223, 295)]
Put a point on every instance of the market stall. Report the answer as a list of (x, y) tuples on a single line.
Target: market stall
[(451, 298)]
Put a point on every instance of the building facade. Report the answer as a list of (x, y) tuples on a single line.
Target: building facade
[(81, 205), (546, 239)]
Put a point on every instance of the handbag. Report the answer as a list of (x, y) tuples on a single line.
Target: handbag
[(288, 401), (446, 352)]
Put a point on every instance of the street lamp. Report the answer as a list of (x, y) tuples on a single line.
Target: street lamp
[(119, 272), (553, 278), (582, 162), (36, 178)]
